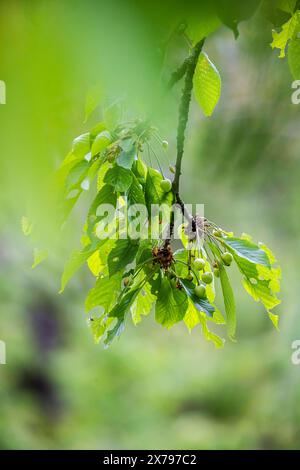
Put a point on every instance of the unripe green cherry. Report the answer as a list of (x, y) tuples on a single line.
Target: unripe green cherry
[(216, 272), (126, 281), (166, 185), (165, 144), (200, 291), (207, 277), (227, 258), (190, 277), (199, 264)]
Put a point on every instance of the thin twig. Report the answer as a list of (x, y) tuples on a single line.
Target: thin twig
[(187, 69)]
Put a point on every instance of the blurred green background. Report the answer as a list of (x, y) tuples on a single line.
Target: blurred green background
[(153, 388)]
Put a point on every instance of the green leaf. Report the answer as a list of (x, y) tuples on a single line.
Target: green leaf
[(99, 127), (289, 31), (126, 159), (260, 291), (171, 304), (135, 193), (116, 331), (294, 58), (286, 5), (229, 301), (231, 12), (153, 192), (209, 335), (104, 293), (77, 174), (99, 326), (142, 304), (119, 178), (104, 196), (122, 254), (202, 305), (193, 317), (247, 249), (181, 255), (81, 145), (274, 319), (101, 142), (207, 84), (39, 257), (97, 262), (127, 144), (76, 260), (123, 306), (202, 25), (261, 281)]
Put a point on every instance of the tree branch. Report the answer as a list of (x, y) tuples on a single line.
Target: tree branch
[(177, 74), (188, 69), (184, 112)]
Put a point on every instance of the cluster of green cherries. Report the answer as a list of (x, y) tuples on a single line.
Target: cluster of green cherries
[(207, 277)]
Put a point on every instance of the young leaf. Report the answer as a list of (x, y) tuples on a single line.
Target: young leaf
[(97, 262), (122, 254), (209, 335), (153, 192), (39, 257), (207, 84), (127, 144), (76, 260), (77, 174), (99, 326), (171, 304), (101, 142), (199, 27), (193, 317), (142, 304), (123, 306), (116, 331), (202, 305), (260, 291), (104, 196), (289, 31), (135, 193), (126, 158), (81, 146), (104, 293), (229, 301), (119, 178), (247, 249)]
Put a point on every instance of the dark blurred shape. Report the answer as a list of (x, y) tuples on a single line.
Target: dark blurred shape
[(46, 324), (38, 385)]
